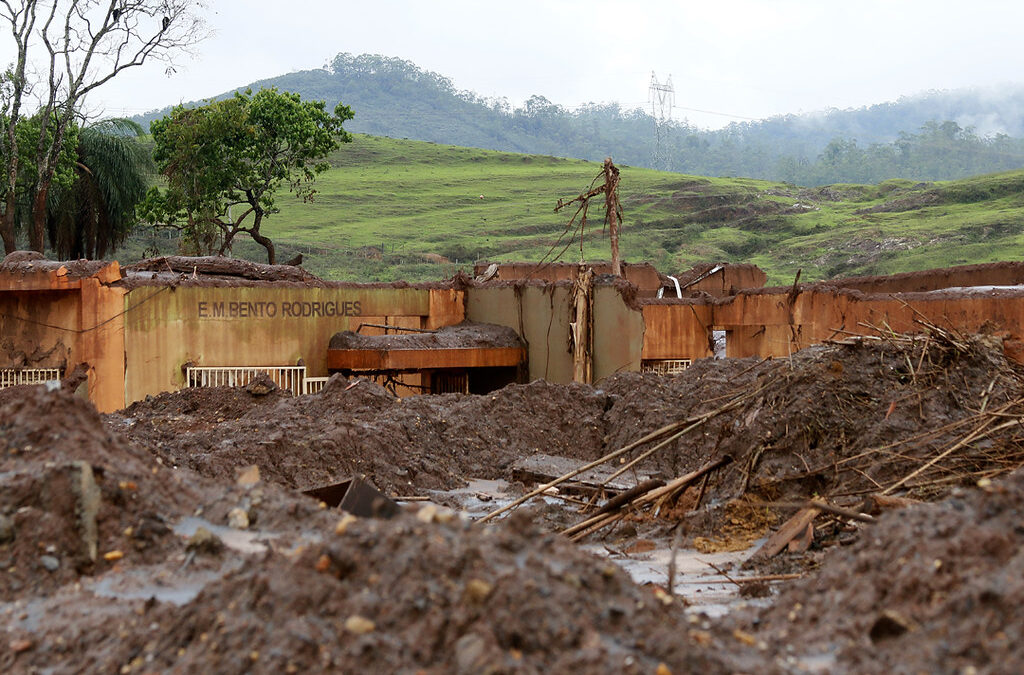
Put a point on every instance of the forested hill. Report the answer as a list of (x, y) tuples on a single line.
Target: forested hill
[(937, 136)]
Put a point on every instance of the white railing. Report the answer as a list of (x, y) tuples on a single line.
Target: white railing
[(312, 385), (664, 366), (286, 377), (12, 376)]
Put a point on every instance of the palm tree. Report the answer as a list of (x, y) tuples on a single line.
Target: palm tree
[(93, 216)]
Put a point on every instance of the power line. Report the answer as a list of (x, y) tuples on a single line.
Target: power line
[(713, 112), (662, 96)]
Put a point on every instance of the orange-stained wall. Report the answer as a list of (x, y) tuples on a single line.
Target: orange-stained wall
[(774, 323), (269, 325), (138, 341), (49, 319)]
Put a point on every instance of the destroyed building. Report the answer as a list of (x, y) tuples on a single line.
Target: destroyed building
[(168, 323)]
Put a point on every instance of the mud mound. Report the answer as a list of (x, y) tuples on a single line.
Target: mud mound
[(197, 406), (935, 588), (838, 420), (357, 427), (404, 595), (71, 492), (78, 499), (466, 335)]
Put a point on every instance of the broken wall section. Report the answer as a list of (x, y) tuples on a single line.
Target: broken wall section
[(779, 322), (57, 315)]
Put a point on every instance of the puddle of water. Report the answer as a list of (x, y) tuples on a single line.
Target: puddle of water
[(480, 496), (141, 585), (244, 541), (706, 590)]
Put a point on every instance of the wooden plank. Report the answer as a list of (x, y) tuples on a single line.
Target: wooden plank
[(791, 529)]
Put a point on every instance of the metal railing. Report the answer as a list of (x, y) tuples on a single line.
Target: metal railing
[(664, 366), (286, 377), (13, 376), (313, 385)]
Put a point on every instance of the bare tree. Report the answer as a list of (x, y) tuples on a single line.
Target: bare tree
[(78, 45)]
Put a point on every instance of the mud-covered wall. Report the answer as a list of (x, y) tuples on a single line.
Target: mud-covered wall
[(677, 331), (728, 280), (618, 333), (82, 323), (38, 328), (540, 314), (777, 322), (259, 326), (642, 275), (989, 274)]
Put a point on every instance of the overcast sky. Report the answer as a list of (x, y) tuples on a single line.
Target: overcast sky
[(734, 58)]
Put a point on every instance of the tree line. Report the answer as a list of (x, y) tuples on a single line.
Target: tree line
[(917, 138)]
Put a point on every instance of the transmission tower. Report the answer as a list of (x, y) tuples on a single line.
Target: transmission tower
[(662, 97)]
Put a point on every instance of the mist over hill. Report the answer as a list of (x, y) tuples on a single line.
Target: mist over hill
[(932, 136)]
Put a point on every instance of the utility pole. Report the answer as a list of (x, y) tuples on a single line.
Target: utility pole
[(662, 97)]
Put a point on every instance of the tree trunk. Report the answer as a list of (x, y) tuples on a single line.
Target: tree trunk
[(267, 244), (37, 235), (260, 239), (7, 229)]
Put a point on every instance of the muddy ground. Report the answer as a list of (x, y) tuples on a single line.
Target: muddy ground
[(146, 541)]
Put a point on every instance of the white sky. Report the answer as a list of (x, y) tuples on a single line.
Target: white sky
[(747, 58)]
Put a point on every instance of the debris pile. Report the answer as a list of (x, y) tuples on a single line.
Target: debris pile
[(171, 536), (75, 498), (931, 588), (413, 593)]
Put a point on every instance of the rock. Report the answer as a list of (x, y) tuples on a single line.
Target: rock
[(6, 529), (476, 591), (344, 522), (238, 519), (82, 486), (204, 541), (469, 653), (50, 563), (359, 625), (22, 645), (261, 385), (426, 513), (248, 476)]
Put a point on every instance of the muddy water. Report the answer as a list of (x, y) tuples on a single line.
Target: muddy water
[(705, 590)]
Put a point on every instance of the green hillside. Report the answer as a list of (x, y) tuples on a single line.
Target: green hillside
[(396, 209)]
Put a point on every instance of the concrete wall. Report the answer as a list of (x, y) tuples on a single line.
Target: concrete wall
[(776, 323), (618, 333), (540, 314), (50, 318), (988, 274), (271, 325)]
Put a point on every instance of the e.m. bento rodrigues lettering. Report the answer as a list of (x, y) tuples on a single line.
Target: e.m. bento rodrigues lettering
[(299, 309)]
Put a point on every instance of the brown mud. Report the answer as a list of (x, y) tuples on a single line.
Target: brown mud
[(145, 541)]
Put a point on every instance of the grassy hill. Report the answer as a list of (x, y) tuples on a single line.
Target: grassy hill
[(396, 209)]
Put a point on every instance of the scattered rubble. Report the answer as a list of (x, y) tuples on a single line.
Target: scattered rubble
[(173, 536)]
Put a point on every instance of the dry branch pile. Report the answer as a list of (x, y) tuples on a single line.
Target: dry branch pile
[(891, 414)]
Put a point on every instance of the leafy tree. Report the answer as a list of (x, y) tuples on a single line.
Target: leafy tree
[(18, 201), (225, 161), (94, 214), (77, 46)]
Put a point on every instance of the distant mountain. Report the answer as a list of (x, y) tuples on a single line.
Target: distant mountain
[(934, 136)]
